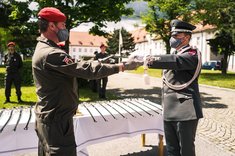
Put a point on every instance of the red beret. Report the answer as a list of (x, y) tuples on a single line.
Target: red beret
[(11, 44), (102, 45), (52, 14)]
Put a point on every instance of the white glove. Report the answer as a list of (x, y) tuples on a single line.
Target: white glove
[(133, 63)]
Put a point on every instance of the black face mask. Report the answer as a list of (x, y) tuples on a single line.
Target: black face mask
[(63, 34), (175, 42)]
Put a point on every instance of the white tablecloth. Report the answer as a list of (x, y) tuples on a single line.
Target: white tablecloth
[(123, 118)]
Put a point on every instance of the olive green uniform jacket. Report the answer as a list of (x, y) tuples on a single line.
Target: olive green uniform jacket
[(54, 74)]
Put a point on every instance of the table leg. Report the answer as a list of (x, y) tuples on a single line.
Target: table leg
[(143, 139), (160, 145)]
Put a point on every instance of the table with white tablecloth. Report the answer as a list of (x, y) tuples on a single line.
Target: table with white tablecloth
[(94, 122)]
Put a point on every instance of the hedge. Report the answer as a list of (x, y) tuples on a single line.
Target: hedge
[(27, 77)]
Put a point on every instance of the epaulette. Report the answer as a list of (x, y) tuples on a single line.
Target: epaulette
[(192, 52)]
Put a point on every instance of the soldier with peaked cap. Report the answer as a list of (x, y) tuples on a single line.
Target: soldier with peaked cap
[(180, 93), (13, 62), (55, 75)]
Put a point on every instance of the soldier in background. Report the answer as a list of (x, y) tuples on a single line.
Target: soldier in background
[(181, 99), (102, 83), (13, 64)]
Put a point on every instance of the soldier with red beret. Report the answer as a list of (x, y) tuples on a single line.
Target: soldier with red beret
[(13, 62), (55, 77)]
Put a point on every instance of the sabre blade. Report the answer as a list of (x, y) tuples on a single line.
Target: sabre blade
[(6, 121), (18, 120), (99, 112), (124, 109), (90, 113), (132, 109), (30, 116), (116, 110), (2, 112), (144, 104), (152, 104), (108, 111), (140, 108)]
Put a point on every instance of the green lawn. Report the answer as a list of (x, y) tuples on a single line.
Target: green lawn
[(29, 94), (207, 77)]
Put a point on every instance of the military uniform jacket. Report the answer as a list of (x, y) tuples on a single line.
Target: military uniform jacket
[(13, 63), (54, 74), (101, 56), (185, 104)]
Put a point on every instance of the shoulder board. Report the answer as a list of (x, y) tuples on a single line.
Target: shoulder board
[(192, 52)]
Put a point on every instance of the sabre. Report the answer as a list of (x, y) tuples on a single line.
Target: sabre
[(99, 112), (125, 109), (150, 103), (108, 111), (7, 121), (148, 107), (89, 113), (133, 109), (141, 108), (30, 115), (2, 112), (116, 111), (21, 108), (105, 59)]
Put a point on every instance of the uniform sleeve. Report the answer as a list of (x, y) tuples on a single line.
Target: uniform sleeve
[(96, 57), (62, 62), (20, 61), (185, 61)]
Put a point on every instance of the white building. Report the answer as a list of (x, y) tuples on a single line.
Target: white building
[(83, 44), (147, 44)]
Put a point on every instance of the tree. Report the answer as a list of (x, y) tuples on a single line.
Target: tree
[(161, 12), (222, 15), (17, 15), (5, 35), (16, 25), (97, 11), (222, 44), (5, 12), (128, 45)]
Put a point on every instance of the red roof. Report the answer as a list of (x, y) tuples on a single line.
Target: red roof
[(86, 39), (139, 35), (200, 27)]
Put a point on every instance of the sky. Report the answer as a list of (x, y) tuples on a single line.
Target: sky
[(126, 22)]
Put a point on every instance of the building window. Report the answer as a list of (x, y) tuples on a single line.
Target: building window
[(80, 50), (74, 49), (198, 40), (85, 50)]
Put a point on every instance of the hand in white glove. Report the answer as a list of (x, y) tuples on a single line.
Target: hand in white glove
[(133, 63)]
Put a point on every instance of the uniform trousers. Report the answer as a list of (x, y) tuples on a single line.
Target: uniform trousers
[(180, 137), (12, 78), (102, 83), (56, 138)]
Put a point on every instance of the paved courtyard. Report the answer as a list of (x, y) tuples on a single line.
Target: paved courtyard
[(216, 131)]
